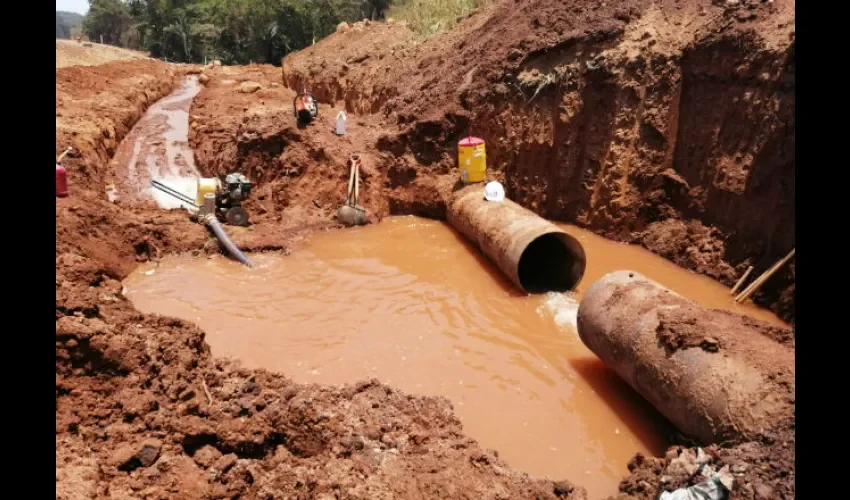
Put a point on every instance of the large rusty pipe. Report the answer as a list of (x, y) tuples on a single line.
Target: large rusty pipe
[(713, 374), (535, 254)]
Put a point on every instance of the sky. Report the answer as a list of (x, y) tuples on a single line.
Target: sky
[(78, 6)]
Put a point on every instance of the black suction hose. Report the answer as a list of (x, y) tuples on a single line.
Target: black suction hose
[(225, 241)]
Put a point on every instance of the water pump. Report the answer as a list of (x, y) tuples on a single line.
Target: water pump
[(228, 196), (223, 200)]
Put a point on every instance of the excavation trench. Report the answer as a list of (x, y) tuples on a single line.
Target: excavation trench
[(157, 148), (417, 305), (413, 304)]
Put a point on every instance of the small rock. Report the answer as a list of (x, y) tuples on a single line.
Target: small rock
[(207, 456), (763, 491), (249, 87), (224, 463), (710, 344), (739, 468), (204, 78), (122, 456), (129, 457), (149, 452)]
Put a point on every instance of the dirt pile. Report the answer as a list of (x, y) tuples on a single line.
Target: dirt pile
[(302, 173), (349, 66), (71, 53), (142, 408), (666, 124)]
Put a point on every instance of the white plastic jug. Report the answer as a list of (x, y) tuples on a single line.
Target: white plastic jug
[(340, 123)]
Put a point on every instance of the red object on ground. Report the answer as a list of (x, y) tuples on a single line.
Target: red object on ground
[(61, 181), (471, 141)]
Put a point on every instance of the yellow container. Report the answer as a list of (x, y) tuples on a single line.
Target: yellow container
[(205, 186), (472, 160)]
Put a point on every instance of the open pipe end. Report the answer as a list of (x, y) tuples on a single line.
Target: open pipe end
[(552, 262)]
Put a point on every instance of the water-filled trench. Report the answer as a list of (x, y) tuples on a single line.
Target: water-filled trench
[(411, 303)]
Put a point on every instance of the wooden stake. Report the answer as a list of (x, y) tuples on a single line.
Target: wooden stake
[(741, 281), (207, 391), (62, 156), (764, 277)]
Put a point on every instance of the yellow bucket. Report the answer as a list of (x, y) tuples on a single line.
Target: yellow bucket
[(472, 160), (205, 186)]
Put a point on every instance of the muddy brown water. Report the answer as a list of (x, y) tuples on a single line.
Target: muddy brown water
[(157, 148), (409, 302)]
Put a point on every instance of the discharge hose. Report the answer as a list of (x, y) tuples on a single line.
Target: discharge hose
[(225, 241)]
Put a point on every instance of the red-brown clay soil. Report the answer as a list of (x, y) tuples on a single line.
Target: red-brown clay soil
[(674, 129), (669, 124), (144, 411)]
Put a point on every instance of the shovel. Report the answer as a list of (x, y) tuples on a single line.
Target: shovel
[(350, 213)]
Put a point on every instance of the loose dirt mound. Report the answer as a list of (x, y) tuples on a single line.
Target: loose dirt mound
[(143, 410), (666, 124), (71, 53), (302, 172)]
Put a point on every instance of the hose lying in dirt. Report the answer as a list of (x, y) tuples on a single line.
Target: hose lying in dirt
[(225, 241), (535, 254), (711, 373)]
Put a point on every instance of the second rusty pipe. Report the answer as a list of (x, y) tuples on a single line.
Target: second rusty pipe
[(713, 374), (536, 255)]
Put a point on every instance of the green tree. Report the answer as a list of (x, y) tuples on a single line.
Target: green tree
[(235, 31), (108, 19)]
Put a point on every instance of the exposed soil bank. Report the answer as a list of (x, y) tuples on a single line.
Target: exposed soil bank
[(142, 410), (667, 124), (312, 167), (133, 415)]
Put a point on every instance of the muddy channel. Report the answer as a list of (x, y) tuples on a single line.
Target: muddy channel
[(157, 148)]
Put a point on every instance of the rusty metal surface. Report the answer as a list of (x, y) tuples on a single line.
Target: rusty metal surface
[(504, 230), (724, 381)]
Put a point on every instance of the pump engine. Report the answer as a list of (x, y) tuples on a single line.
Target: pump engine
[(214, 197)]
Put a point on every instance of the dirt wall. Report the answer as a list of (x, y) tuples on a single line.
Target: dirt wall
[(143, 410), (665, 124)]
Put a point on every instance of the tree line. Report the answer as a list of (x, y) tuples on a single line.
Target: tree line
[(68, 24), (233, 31)]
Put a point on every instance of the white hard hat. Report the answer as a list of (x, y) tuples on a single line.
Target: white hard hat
[(494, 191)]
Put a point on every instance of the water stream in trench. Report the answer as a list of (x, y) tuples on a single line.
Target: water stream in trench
[(157, 148), (409, 302)]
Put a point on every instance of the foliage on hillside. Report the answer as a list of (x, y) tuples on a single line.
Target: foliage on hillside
[(234, 31), (429, 17)]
